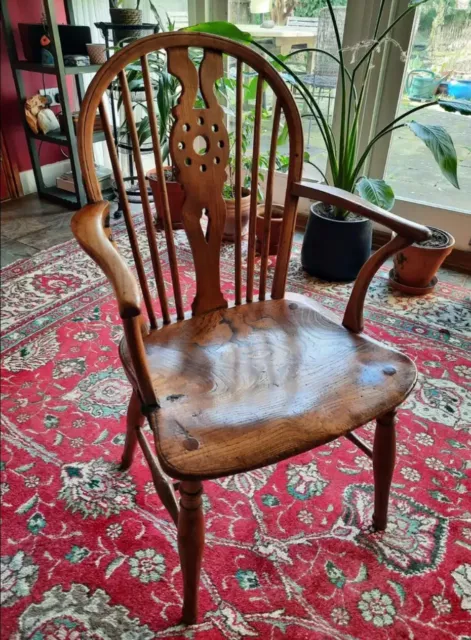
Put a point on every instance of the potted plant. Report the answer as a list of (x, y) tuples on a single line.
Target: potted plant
[(121, 15), (416, 266), (337, 243), (282, 163), (229, 188)]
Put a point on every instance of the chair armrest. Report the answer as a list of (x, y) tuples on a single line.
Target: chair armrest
[(90, 227), (407, 233), (344, 200)]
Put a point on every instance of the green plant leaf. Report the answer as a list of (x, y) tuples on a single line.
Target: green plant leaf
[(377, 192), (250, 89), (439, 141), (456, 106), (221, 28), (283, 137)]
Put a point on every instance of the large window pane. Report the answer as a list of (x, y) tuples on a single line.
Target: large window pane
[(439, 61), (284, 30)]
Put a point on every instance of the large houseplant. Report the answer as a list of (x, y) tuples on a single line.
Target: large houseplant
[(336, 243)]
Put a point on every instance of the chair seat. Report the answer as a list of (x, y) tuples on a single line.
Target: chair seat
[(251, 385)]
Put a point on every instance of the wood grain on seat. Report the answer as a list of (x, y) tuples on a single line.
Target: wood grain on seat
[(248, 386)]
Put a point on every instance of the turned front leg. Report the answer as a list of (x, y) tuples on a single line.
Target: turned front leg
[(190, 545), (134, 421), (384, 457)]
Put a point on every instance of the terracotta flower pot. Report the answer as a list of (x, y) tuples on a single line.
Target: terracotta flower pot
[(97, 53), (176, 198), (229, 227), (276, 221), (417, 265)]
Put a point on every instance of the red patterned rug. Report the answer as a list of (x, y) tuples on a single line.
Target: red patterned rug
[(90, 553)]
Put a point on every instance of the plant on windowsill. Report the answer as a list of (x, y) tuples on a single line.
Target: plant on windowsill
[(336, 243)]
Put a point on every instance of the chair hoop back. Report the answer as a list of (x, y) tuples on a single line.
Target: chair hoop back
[(201, 174)]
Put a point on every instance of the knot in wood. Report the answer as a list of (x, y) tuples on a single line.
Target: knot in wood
[(389, 370)]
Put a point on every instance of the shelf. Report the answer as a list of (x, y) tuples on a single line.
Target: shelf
[(53, 70), (60, 196), (57, 137)]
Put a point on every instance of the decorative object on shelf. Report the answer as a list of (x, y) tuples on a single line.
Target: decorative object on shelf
[(346, 160), (98, 126), (415, 268), (46, 55), (73, 39), (96, 52), (67, 183), (39, 117), (76, 60), (124, 16), (65, 39)]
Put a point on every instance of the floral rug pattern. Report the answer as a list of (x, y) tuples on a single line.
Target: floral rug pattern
[(88, 552)]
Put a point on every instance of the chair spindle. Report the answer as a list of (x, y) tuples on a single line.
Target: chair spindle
[(154, 251), (238, 184), (254, 191), (127, 214), (268, 203), (172, 256)]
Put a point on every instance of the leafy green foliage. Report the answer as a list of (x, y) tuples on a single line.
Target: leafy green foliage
[(439, 141), (346, 160), (376, 191), (221, 28), (456, 106)]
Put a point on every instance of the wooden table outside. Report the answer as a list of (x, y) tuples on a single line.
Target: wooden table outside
[(285, 37)]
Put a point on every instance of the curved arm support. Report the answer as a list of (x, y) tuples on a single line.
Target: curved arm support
[(350, 202), (91, 228), (353, 316), (407, 233)]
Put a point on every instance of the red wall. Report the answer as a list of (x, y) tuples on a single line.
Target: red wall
[(11, 110)]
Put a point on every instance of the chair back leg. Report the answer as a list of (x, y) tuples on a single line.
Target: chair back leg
[(190, 545), (384, 457)]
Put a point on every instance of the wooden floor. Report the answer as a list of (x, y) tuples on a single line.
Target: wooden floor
[(29, 225)]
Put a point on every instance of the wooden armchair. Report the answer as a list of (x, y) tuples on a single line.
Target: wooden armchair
[(242, 385)]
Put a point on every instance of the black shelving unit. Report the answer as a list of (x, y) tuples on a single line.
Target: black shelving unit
[(66, 138)]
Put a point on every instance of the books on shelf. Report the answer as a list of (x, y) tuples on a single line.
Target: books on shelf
[(66, 180)]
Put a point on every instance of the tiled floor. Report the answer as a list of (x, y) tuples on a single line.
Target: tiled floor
[(29, 225)]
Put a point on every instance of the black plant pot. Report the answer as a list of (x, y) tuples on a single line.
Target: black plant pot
[(335, 249)]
